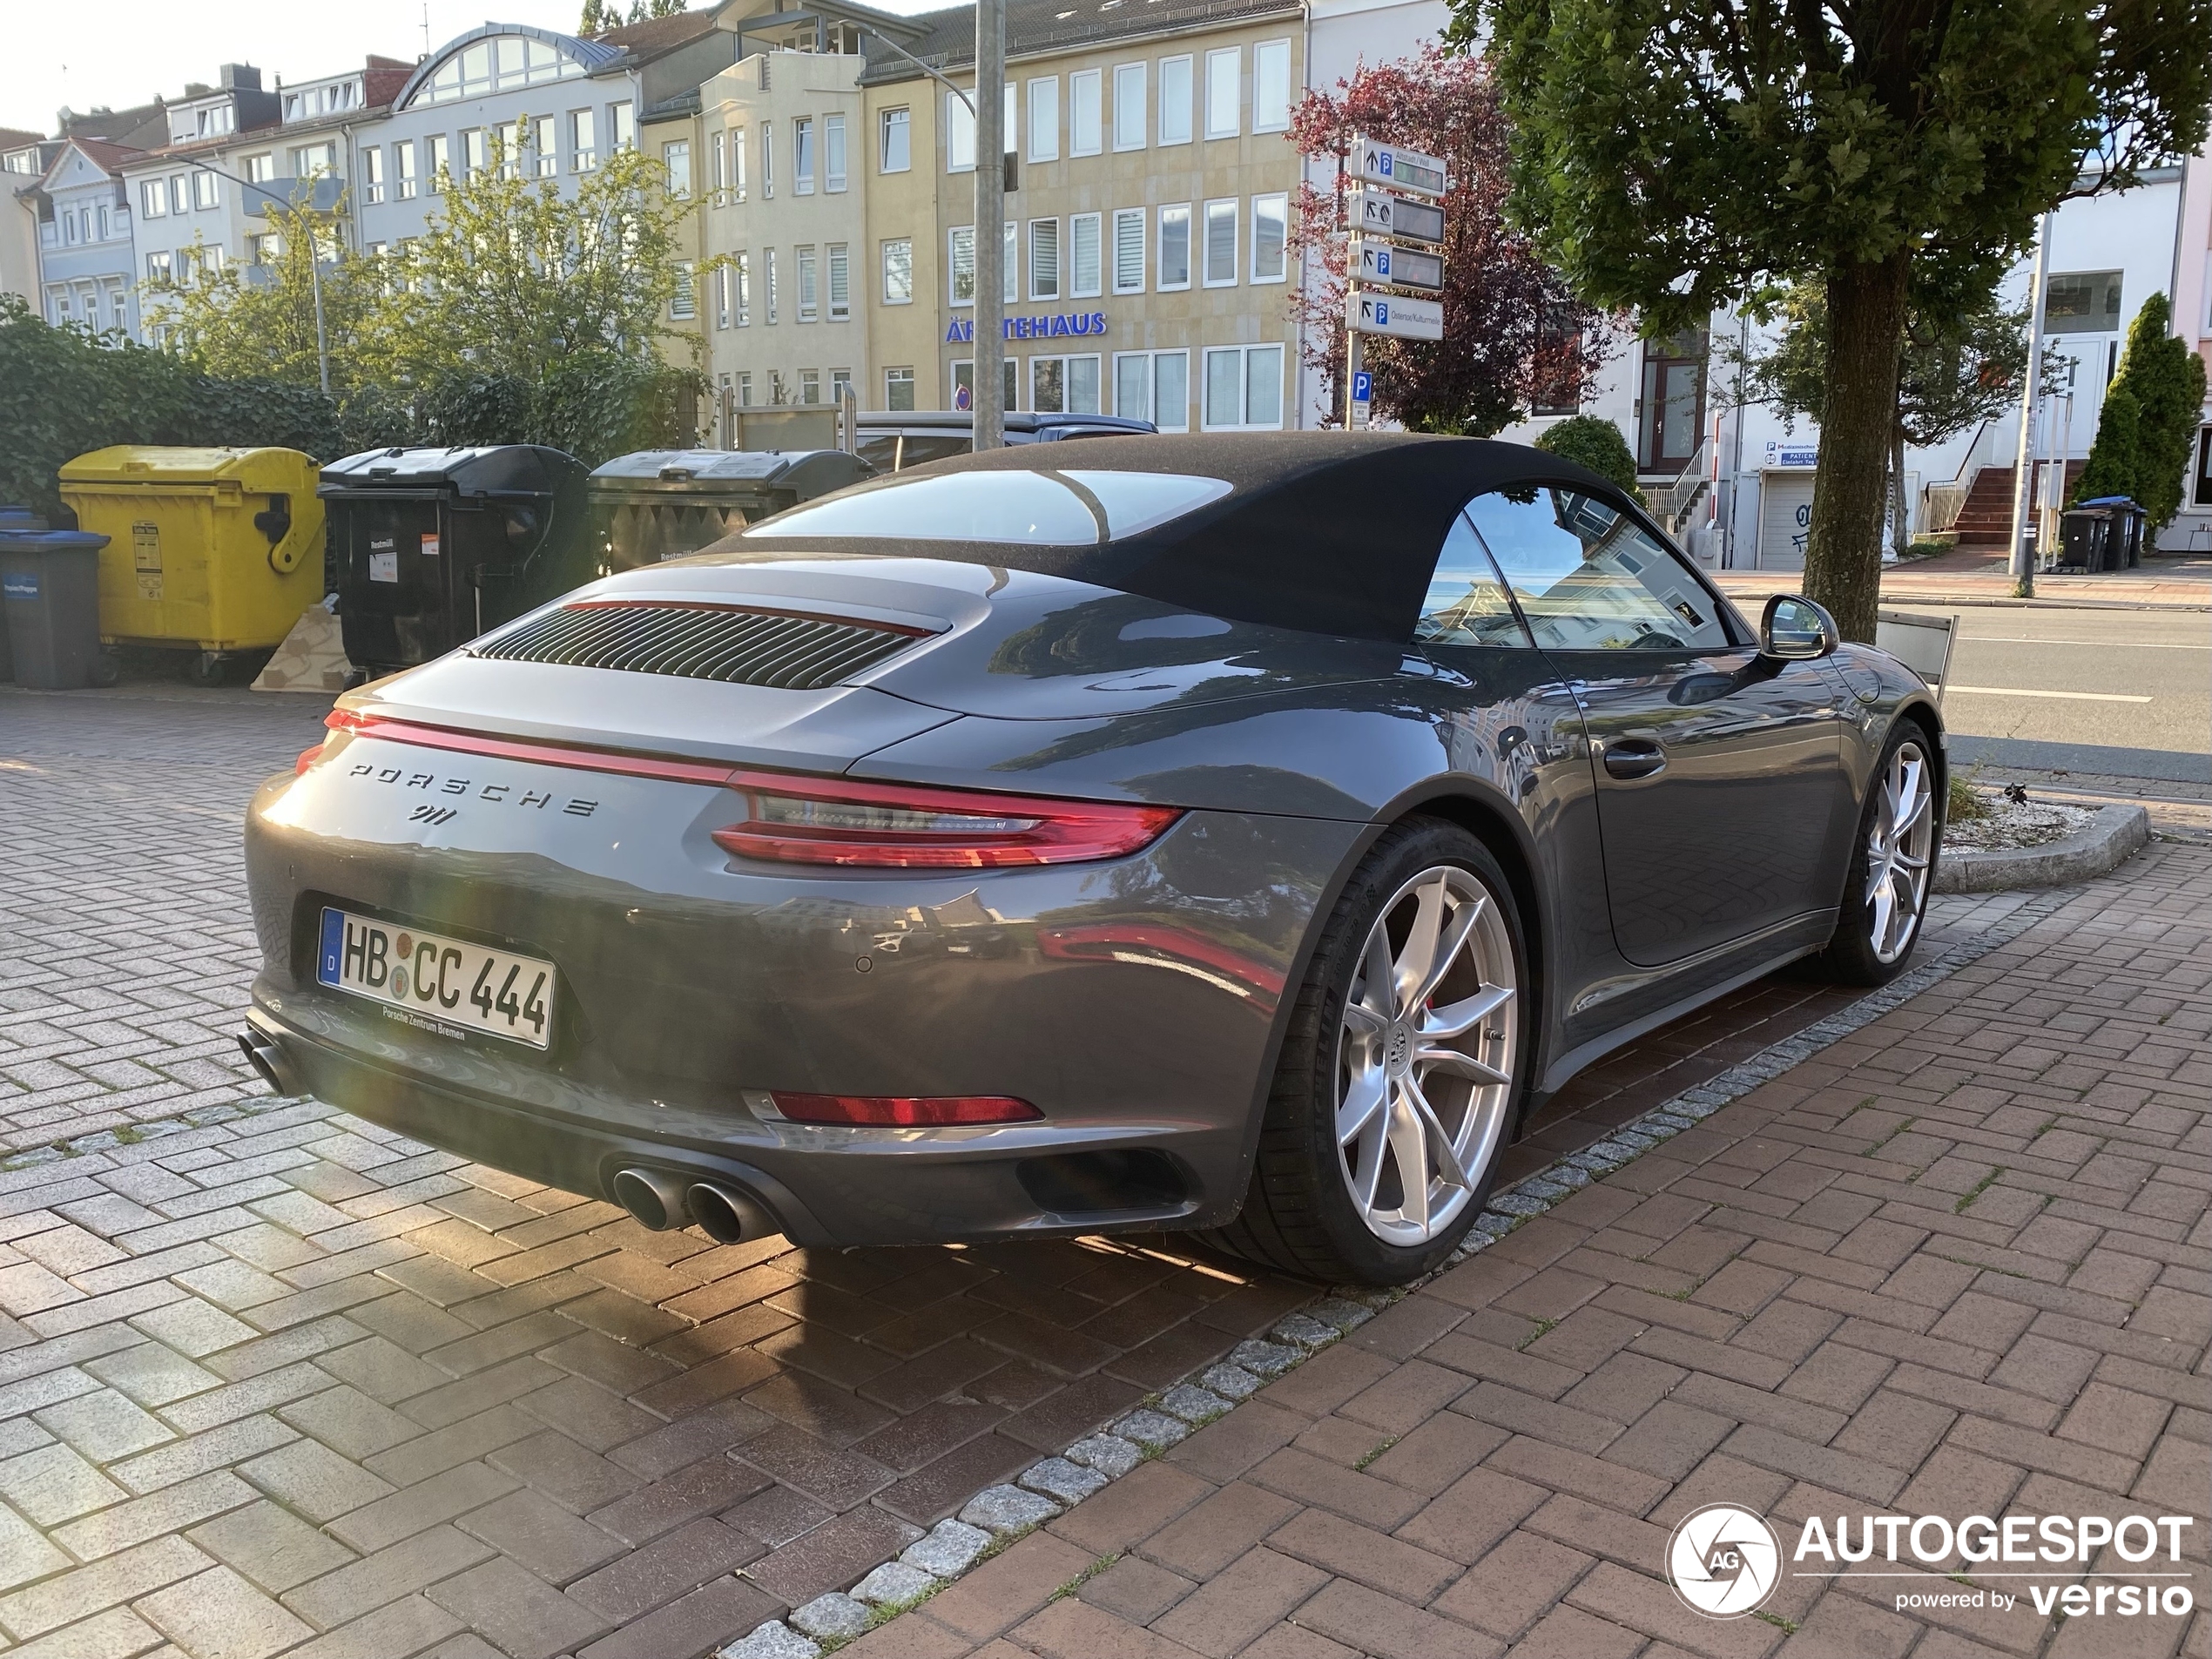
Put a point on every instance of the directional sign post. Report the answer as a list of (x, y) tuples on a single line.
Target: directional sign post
[(1395, 217)]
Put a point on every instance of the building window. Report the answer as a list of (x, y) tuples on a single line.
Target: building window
[(1086, 132), (621, 126), (1224, 69), (371, 173), (207, 187), (745, 390), (2082, 303), (804, 257), (1271, 86), (1044, 118), (1154, 385), (737, 164), (261, 169), (157, 270), (1063, 385), (403, 170), (155, 195), (545, 145), (1175, 248), (964, 383), (1086, 262), (1175, 100), (895, 150), (899, 272), (180, 194), (437, 162), (1243, 388), (961, 263), (721, 296), (833, 152), (742, 272), (1012, 265), (802, 157), (683, 305), (898, 389), (1128, 106), (840, 282), (767, 161), (583, 142), (1221, 244), (475, 152), (677, 159), (719, 177), (1044, 259), (840, 383), (513, 137), (959, 135), (810, 385), (1129, 249), (1271, 221), (777, 395)]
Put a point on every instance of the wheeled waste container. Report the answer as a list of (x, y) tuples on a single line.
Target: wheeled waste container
[(2124, 541), (50, 587), (2085, 537), (431, 547), (212, 550), (661, 504), (14, 517)]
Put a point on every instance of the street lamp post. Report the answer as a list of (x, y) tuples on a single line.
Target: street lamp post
[(988, 395), (2023, 567), (314, 262)]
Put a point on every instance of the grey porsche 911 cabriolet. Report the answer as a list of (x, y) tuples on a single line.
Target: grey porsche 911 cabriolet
[(1229, 833)]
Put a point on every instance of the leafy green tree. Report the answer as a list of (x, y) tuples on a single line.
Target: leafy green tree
[(1674, 155), (2116, 453), (598, 16), (2165, 381), (257, 322), (1588, 441)]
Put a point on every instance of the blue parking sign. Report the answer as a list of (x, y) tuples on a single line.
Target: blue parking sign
[(1363, 387)]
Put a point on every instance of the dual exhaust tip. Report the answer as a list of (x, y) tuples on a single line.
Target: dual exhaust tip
[(658, 1201)]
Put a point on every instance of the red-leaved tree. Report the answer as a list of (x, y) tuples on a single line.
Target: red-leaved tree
[(1514, 337)]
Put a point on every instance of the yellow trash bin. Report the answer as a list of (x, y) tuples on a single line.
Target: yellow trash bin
[(216, 550)]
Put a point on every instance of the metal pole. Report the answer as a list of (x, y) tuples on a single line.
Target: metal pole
[(2023, 464), (1353, 358), (988, 395), (314, 275)]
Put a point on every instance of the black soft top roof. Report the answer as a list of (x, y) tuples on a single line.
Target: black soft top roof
[(1328, 532)]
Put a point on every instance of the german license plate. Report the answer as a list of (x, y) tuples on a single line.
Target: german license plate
[(444, 984)]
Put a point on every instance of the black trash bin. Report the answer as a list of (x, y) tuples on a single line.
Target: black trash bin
[(14, 517), (428, 547), (49, 586), (2085, 536), (662, 503)]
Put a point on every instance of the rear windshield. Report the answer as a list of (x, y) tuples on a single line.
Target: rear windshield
[(1066, 509)]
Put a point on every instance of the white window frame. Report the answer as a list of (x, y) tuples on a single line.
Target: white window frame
[(1230, 209), (207, 187), (404, 177), (807, 268), (954, 239), (621, 124), (1066, 363), (897, 377), (1050, 228), (684, 304), (1096, 223), (1086, 89), (884, 260), (902, 121), (835, 162), (1226, 94), (741, 275), (810, 387), (802, 155), (1160, 284), (959, 135), (546, 141), (837, 280), (1282, 204), (1044, 143), (768, 266), (738, 151), (1140, 217), (1151, 411), (767, 161), (154, 195), (1266, 52), (583, 141), (1128, 79), (1243, 354), (1167, 101), (671, 153)]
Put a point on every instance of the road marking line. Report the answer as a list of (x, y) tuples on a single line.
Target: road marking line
[(2097, 644), (2070, 697)]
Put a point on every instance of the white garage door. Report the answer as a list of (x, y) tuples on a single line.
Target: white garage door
[(1785, 510)]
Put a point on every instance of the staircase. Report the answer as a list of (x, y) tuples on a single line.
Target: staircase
[(1986, 519)]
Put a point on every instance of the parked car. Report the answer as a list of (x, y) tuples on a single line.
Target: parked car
[(1222, 832), (895, 440)]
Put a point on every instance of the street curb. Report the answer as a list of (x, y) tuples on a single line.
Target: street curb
[(2116, 834), (1040, 1493)]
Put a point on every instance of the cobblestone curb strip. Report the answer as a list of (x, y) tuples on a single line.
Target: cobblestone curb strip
[(999, 1515), (2109, 840)]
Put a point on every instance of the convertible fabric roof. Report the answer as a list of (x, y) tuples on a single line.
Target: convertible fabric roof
[(1327, 532)]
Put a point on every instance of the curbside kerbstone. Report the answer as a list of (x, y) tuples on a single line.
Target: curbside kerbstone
[(2106, 842)]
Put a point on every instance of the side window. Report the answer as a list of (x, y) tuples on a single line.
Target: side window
[(1466, 604), (1587, 578)]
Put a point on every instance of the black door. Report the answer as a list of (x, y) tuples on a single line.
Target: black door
[(1723, 806)]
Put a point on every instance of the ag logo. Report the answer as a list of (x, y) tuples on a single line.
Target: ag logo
[(1722, 1560)]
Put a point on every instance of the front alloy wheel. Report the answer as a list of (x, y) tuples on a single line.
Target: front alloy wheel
[(1900, 844), (1424, 1057)]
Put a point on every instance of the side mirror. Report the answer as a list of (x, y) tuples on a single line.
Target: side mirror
[(1794, 630)]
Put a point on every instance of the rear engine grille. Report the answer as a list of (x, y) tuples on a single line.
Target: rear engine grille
[(742, 647)]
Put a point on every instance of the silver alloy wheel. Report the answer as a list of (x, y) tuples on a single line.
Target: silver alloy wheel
[(1426, 1056), (1899, 848)]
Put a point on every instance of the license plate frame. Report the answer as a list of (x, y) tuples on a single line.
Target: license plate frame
[(494, 993)]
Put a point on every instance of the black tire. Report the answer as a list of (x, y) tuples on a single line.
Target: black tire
[(1849, 957), (209, 668), (1299, 1215), (107, 670)]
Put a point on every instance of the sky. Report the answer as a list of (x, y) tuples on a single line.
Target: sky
[(121, 53)]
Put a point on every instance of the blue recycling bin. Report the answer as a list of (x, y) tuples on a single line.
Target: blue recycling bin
[(49, 587)]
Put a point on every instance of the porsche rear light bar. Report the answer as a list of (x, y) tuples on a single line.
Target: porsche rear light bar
[(904, 1111), (904, 826)]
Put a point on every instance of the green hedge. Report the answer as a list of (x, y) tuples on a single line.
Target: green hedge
[(1588, 441)]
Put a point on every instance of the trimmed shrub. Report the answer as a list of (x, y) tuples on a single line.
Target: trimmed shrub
[(1588, 441)]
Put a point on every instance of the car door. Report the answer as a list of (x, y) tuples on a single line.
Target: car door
[(1723, 807)]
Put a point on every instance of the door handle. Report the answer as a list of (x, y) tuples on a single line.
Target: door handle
[(1631, 758)]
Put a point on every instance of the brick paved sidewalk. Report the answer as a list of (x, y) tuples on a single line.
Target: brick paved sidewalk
[(1956, 1264)]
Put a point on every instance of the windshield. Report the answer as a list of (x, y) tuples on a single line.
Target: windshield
[(1069, 509)]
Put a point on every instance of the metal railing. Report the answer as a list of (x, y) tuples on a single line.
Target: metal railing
[(1670, 503)]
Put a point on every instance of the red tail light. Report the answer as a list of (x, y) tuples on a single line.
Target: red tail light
[(903, 827), (904, 1111), (307, 758)]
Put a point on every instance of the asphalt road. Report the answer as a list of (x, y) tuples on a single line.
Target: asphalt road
[(2121, 693)]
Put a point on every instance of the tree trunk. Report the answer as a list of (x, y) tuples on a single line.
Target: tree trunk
[(1859, 415)]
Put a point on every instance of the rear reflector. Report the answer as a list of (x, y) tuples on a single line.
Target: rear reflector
[(903, 827), (307, 758), (904, 1111)]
